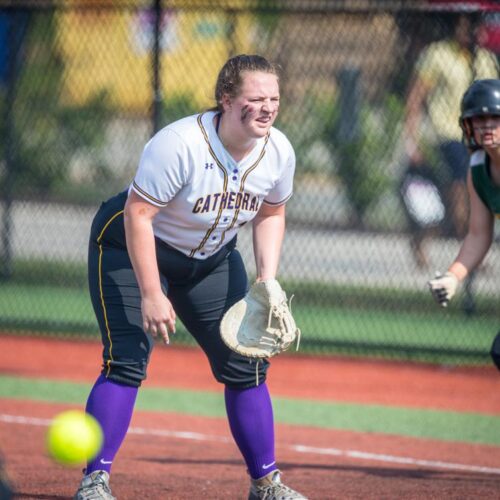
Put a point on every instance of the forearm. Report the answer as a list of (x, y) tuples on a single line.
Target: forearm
[(471, 254), (413, 112), (411, 127), (142, 252), (268, 234)]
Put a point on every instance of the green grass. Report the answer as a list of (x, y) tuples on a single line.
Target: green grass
[(419, 423), (45, 304), (445, 336), (49, 273), (398, 328)]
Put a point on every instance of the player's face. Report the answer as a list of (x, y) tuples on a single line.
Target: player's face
[(255, 108), (486, 130)]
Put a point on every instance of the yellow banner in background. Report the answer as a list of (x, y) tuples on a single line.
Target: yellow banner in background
[(112, 51)]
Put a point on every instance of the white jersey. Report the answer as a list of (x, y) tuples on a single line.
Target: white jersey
[(204, 195)]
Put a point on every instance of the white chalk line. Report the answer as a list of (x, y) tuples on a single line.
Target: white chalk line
[(353, 454)]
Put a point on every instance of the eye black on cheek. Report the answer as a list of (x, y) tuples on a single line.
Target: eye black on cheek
[(244, 112)]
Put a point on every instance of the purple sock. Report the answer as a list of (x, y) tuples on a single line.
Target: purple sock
[(112, 405), (250, 415)]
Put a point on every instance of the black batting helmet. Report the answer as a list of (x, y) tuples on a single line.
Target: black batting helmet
[(481, 98)]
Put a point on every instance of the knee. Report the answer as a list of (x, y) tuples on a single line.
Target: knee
[(127, 372), (241, 373)]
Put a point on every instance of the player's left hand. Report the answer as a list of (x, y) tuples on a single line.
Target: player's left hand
[(261, 325), (443, 287)]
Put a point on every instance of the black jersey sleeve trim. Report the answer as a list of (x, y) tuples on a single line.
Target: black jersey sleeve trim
[(147, 196), (277, 203)]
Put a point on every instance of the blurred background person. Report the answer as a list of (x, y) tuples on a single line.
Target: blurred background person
[(443, 72)]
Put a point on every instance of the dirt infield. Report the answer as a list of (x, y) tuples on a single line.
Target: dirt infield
[(173, 456)]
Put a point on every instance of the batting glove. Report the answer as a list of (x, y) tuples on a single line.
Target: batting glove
[(443, 288)]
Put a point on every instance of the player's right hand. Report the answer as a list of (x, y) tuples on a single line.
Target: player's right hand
[(443, 287), (158, 316)]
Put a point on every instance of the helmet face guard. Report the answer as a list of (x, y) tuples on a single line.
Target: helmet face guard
[(481, 98)]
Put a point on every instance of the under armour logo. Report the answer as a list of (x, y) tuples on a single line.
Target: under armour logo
[(209, 165)]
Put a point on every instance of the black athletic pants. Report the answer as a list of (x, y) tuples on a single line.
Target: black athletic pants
[(200, 291)]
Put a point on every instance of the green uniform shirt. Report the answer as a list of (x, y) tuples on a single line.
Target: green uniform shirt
[(481, 179)]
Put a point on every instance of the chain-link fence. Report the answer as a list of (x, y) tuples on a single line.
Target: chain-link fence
[(366, 102)]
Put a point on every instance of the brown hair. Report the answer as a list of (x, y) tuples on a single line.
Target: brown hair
[(230, 76)]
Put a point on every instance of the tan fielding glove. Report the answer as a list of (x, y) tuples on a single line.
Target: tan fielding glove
[(443, 288), (261, 325)]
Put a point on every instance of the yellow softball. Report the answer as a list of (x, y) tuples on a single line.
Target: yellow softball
[(74, 437)]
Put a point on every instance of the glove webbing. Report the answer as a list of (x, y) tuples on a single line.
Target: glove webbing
[(277, 310), (280, 313)]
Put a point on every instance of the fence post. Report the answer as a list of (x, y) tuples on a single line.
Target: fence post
[(15, 24), (231, 31), (348, 130), (348, 134), (156, 63)]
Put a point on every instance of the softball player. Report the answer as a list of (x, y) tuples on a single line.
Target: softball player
[(167, 248), (480, 122)]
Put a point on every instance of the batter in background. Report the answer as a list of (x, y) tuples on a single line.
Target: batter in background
[(443, 72), (166, 248)]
